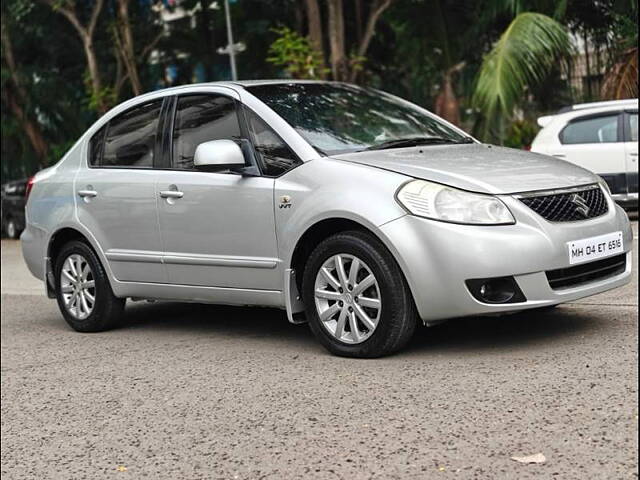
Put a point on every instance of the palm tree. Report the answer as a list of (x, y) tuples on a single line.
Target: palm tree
[(523, 56), (621, 81)]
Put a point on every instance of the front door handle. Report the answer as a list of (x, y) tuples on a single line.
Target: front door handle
[(561, 156), (87, 193), (171, 194)]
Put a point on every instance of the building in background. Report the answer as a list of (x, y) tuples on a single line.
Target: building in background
[(586, 70)]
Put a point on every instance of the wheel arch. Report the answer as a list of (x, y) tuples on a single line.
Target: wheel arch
[(57, 240), (312, 237), (323, 229)]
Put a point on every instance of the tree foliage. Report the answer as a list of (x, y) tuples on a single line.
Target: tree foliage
[(65, 62), (524, 54), (296, 55)]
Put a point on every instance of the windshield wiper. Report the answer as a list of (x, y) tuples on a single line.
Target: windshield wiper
[(415, 141)]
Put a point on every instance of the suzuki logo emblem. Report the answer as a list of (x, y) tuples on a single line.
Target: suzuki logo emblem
[(581, 204)]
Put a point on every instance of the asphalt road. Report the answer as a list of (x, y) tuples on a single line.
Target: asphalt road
[(194, 391)]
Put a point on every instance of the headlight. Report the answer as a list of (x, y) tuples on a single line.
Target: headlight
[(439, 202)]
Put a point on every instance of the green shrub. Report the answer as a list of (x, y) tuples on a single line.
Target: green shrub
[(295, 53), (520, 134)]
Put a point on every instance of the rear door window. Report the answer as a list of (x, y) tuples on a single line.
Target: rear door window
[(130, 139), (601, 129)]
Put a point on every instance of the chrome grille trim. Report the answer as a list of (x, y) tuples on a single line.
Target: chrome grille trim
[(556, 191), (568, 204)]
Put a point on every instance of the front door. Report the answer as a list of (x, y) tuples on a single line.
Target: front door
[(115, 195), (217, 229)]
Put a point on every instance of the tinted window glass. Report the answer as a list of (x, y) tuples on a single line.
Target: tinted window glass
[(591, 130), (199, 119), (277, 157), (95, 147), (344, 118), (131, 137), (633, 126)]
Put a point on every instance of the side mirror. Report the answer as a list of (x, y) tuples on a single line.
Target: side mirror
[(218, 155)]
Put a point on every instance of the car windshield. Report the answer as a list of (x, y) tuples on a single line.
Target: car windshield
[(337, 118)]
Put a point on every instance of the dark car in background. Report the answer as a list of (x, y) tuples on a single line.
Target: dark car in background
[(14, 198)]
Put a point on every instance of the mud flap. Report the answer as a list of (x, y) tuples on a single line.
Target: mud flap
[(293, 299)]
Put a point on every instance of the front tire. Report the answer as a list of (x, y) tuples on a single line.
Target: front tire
[(356, 298), (83, 291)]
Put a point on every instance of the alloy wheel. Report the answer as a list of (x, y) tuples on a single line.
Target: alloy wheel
[(12, 230), (77, 286), (347, 298)]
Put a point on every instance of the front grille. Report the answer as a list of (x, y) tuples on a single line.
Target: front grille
[(587, 272), (568, 205)]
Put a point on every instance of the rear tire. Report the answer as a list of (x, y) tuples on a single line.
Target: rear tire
[(83, 291), (12, 229), (354, 283)]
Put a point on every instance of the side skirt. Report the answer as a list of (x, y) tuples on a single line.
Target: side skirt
[(199, 294)]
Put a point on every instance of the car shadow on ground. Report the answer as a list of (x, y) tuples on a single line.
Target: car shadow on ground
[(473, 333), (507, 331), (203, 319)]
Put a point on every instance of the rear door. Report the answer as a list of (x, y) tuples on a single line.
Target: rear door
[(115, 193), (631, 149), (595, 142)]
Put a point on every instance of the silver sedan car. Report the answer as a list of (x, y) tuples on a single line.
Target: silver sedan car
[(351, 209)]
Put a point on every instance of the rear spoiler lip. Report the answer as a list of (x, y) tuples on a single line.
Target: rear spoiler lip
[(546, 120)]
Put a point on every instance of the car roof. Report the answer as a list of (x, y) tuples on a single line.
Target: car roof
[(279, 81), (629, 102), (244, 83), (234, 85), (581, 109)]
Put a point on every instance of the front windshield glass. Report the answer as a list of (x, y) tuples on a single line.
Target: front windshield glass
[(337, 118)]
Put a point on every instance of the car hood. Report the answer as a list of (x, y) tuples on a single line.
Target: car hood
[(477, 167)]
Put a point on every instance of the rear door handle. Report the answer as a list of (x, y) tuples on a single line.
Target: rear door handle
[(561, 156), (87, 193), (171, 194)]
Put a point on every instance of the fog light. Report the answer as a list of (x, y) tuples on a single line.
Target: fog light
[(496, 290)]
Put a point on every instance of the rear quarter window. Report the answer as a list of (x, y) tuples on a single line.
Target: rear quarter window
[(633, 126), (96, 145)]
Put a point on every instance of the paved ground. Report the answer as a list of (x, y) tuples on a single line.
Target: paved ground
[(191, 391)]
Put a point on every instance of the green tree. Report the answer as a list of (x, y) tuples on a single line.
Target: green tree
[(101, 96), (43, 79), (524, 55), (296, 54)]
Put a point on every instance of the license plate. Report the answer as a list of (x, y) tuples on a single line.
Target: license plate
[(589, 249)]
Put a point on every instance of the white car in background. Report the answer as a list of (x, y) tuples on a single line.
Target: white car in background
[(602, 137)]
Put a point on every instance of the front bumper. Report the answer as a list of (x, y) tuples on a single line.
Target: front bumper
[(437, 258)]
